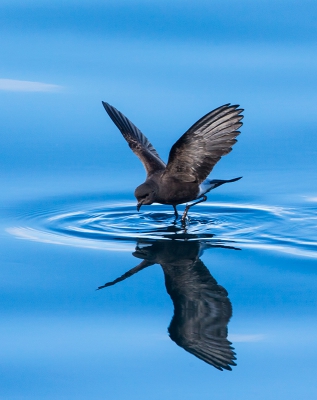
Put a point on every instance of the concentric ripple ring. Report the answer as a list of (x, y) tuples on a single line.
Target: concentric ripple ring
[(115, 225)]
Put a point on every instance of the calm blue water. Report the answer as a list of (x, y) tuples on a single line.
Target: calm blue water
[(175, 305), (62, 338)]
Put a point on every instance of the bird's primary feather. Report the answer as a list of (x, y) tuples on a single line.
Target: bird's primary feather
[(194, 155), (138, 143)]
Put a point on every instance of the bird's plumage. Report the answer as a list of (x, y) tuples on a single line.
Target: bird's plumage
[(191, 158), (138, 143), (194, 155)]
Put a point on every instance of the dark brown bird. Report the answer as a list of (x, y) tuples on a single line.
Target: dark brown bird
[(190, 161)]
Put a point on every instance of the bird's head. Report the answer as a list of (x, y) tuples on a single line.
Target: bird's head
[(145, 194)]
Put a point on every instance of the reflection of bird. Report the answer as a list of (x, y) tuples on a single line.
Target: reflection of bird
[(190, 161), (202, 309)]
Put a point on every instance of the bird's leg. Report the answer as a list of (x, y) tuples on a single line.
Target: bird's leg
[(204, 198), (175, 211)]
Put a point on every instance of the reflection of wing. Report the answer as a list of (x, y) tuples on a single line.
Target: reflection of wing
[(138, 268), (202, 309), (202, 312), (138, 143)]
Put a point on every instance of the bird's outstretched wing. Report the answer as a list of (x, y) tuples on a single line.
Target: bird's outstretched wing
[(138, 143), (194, 155)]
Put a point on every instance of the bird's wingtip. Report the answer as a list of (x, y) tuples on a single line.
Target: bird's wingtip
[(108, 107)]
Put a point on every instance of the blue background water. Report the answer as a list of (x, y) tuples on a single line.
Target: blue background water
[(67, 179)]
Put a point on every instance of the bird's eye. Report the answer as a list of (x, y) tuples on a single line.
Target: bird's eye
[(144, 196)]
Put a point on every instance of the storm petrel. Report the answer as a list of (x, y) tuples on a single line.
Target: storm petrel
[(190, 160)]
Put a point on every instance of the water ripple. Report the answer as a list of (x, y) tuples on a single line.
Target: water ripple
[(119, 225)]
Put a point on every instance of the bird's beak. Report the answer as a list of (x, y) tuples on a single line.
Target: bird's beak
[(138, 206)]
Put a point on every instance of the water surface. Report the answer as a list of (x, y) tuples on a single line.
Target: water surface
[(240, 281)]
